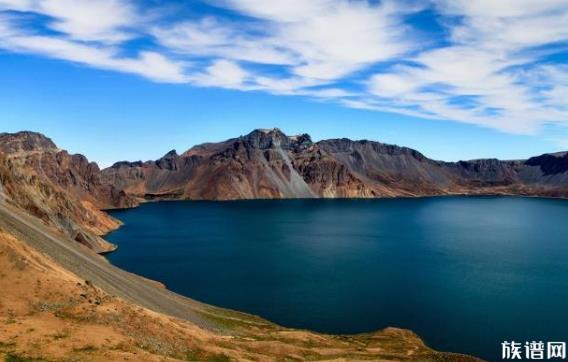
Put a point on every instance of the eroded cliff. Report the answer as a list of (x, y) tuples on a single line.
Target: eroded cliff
[(63, 190)]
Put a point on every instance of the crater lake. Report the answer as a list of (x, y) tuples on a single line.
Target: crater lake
[(464, 273)]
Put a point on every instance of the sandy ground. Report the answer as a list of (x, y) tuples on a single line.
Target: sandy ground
[(61, 302)]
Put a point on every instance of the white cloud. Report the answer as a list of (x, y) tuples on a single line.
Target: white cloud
[(90, 20), (19, 5), (328, 93), (91, 28), (500, 9), (6, 28), (333, 38), (392, 85), (151, 65), (508, 24), (154, 66), (487, 75), (290, 85), (223, 73), (280, 10), (86, 20), (490, 70), (209, 37), (320, 39)]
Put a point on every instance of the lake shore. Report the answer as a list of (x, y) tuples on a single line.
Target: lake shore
[(108, 291)]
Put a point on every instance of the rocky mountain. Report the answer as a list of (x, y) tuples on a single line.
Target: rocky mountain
[(63, 190), (68, 192), (269, 164)]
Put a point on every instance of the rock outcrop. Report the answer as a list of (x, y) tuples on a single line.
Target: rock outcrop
[(269, 164), (63, 190)]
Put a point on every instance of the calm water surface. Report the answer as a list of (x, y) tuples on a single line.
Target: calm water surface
[(463, 273)]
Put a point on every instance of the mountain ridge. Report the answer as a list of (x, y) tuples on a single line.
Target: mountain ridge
[(195, 149), (68, 192), (268, 164)]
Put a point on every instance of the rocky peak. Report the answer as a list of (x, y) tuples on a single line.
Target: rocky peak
[(300, 142), (169, 161), (267, 138), (274, 138), (121, 164), (25, 141), (172, 153)]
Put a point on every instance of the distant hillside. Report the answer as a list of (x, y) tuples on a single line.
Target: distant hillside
[(269, 164)]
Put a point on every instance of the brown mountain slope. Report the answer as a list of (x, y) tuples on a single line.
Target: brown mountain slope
[(63, 190), (269, 164)]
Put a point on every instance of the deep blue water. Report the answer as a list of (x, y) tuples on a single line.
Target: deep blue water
[(465, 273)]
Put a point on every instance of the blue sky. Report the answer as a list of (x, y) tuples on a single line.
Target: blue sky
[(125, 79)]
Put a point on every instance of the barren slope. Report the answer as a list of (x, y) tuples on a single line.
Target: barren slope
[(63, 190)]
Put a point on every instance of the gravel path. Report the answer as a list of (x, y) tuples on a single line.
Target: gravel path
[(99, 271)]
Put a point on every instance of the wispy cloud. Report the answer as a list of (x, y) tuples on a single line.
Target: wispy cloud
[(325, 40), (223, 73), (86, 20), (152, 65), (493, 65), (89, 32), (210, 37), (490, 74)]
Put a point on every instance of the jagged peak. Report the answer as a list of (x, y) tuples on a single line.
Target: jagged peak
[(120, 164), (304, 137), (172, 153), (267, 131), (264, 138), (267, 138), (25, 141)]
